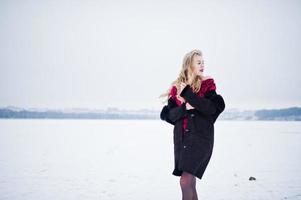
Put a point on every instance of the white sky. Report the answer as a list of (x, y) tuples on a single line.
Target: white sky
[(99, 54)]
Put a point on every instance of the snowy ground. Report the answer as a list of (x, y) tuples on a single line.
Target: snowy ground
[(133, 160)]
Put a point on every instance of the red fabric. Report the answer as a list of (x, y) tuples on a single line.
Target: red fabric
[(207, 85)]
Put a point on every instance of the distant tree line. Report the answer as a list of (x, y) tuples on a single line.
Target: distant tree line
[(7, 113), (288, 113), (291, 114)]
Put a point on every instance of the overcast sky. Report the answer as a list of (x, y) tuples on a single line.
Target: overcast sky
[(99, 54)]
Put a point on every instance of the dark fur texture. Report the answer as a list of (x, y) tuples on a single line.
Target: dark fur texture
[(193, 149)]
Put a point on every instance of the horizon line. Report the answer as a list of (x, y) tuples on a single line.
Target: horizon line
[(122, 108)]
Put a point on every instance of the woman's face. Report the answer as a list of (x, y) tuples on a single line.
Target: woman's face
[(198, 65)]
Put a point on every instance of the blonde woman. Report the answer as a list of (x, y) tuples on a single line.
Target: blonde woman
[(193, 107)]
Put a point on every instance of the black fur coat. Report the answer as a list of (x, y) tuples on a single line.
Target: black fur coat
[(193, 147)]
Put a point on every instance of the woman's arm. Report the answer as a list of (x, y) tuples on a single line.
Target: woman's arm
[(212, 106), (172, 112)]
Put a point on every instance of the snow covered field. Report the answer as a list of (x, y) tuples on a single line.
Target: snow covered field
[(133, 160)]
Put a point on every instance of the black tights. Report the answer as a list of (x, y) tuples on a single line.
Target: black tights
[(188, 182)]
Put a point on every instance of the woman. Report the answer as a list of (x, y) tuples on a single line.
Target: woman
[(193, 107)]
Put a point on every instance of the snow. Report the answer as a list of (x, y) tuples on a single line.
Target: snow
[(133, 159)]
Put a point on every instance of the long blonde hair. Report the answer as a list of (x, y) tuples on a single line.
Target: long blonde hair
[(185, 73)]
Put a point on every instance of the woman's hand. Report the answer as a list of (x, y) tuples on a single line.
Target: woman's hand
[(181, 99), (188, 106), (182, 86)]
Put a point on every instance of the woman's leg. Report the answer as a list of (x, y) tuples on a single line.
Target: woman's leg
[(187, 182), (195, 195)]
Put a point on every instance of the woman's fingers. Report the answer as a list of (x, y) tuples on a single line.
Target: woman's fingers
[(181, 98), (188, 106), (182, 87)]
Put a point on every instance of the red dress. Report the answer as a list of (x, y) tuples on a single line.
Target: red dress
[(207, 85)]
